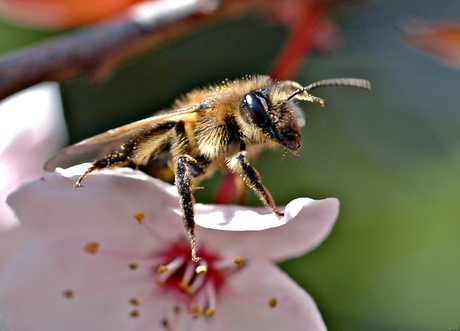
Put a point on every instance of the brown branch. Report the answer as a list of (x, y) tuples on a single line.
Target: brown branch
[(93, 50), (97, 50)]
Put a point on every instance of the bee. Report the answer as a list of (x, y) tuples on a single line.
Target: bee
[(207, 129)]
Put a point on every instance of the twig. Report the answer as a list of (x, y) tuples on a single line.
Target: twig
[(98, 49)]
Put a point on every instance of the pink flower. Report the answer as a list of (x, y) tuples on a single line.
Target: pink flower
[(115, 256), (31, 130)]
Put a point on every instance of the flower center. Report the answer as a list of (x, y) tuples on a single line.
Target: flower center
[(194, 284), (171, 282)]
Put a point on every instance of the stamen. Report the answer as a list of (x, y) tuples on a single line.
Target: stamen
[(183, 285), (68, 294), (94, 247), (134, 313), (202, 269), (197, 284), (224, 264), (132, 266), (272, 302), (239, 261), (167, 270), (162, 269), (152, 232), (134, 302), (196, 309), (164, 323), (209, 312), (91, 247), (188, 274), (210, 292), (139, 216)]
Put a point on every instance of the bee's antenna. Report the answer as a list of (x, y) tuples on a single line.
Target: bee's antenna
[(351, 82)]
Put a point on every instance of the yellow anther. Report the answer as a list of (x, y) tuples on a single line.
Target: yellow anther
[(201, 270), (139, 216), (210, 312), (196, 309), (162, 269), (68, 294), (239, 261), (272, 302), (91, 247), (183, 285)]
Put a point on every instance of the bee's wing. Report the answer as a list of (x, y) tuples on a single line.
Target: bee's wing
[(105, 143)]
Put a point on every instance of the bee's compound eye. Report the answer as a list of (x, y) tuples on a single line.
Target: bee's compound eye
[(257, 106)]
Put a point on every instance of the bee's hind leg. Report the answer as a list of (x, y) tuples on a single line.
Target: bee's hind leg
[(187, 168)]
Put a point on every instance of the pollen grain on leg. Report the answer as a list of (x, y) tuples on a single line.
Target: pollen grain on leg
[(92, 247)]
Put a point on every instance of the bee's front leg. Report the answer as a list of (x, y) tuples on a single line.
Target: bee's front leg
[(187, 168), (239, 164), (116, 159)]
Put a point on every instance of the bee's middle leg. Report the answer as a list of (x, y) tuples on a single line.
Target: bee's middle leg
[(186, 169), (240, 165)]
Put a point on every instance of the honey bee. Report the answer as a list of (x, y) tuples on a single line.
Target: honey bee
[(205, 130)]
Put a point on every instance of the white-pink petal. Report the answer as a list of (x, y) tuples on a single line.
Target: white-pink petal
[(246, 306), (64, 220), (31, 130), (32, 291), (307, 223), (103, 210), (55, 210)]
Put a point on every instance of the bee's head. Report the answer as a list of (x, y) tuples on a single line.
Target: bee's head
[(273, 112), (279, 121)]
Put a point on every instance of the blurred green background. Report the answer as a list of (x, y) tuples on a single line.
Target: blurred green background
[(392, 155)]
